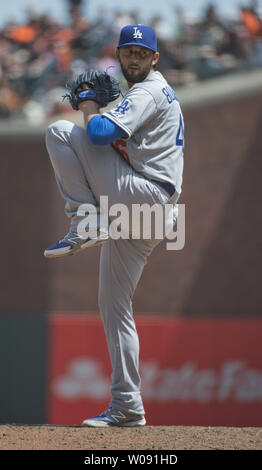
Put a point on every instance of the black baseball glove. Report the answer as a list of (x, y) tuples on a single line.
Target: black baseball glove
[(102, 88)]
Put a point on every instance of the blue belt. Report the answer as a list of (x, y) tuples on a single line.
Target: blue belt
[(168, 187)]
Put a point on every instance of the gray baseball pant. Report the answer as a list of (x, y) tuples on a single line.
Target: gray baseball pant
[(84, 172)]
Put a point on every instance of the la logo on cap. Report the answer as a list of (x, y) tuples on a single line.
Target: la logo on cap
[(137, 33)]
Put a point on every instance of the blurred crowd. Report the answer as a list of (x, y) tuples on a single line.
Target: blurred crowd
[(38, 57)]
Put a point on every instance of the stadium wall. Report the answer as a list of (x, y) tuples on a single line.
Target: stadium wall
[(55, 369), (215, 278), (217, 272)]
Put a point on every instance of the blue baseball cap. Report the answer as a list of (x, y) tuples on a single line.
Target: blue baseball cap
[(138, 35)]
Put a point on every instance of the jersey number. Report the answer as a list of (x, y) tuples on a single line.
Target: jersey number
[(180, 134), (118, 144)]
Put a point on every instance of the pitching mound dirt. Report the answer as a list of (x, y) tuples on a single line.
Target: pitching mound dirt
[(47, 437)]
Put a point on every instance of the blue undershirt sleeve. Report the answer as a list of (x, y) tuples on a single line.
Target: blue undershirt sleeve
[(102, 131)]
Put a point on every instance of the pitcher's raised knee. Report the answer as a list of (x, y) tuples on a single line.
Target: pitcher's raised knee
[(59, 130)]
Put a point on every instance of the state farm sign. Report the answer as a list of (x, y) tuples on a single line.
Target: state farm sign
[(84, 379), (232, 380), (200, 373)]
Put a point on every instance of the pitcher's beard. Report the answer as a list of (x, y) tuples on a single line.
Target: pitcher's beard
[(135, 78)]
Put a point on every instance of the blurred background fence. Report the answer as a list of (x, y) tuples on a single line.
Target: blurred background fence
[(204, 303)]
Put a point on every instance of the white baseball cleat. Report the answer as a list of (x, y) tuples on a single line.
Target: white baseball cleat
[(72, 242), (112, 417)]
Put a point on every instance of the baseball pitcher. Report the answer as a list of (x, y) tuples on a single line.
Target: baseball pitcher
[(132, 154)]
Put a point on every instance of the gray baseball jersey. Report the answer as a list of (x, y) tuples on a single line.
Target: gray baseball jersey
[(151, 116)]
